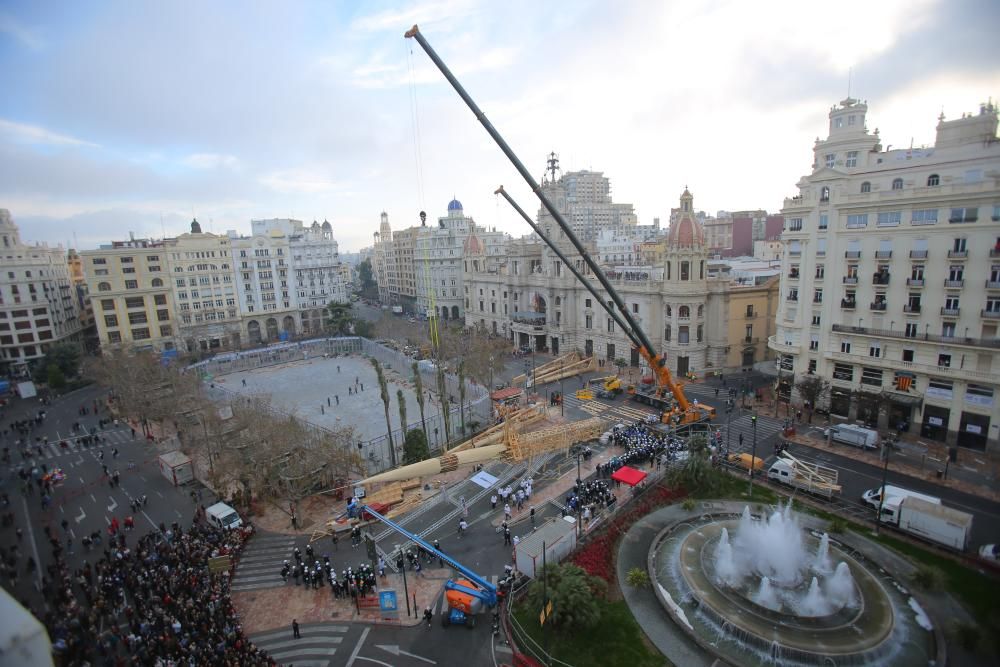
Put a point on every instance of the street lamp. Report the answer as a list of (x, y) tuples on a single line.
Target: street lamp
[(753, 456), (885, 473)]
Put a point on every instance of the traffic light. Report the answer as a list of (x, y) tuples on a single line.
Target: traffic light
[(754, 419)]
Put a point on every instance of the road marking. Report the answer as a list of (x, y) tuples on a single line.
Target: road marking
[(377, 662), (142, 478), (81, 460), (72, 534), (81, 481), (83, 515), (113, 505), (158, 493), (350, 661), (107, 520), (92, 497), (34, 546), (179, 515), (395, 650)]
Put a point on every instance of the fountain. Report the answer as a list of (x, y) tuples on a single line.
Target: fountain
[(762, 590)]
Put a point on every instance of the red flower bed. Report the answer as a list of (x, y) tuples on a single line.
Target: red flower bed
[(597, 556)]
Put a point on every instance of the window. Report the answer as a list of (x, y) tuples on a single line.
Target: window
[(821, 247), (820, 271), (666, 333), (956, 273), (683, 335), (131, 284), (99, 260), (140, 334), (160, 299), (844, 372), (685, 270), (871, 376), (845, 346), (816, 320), (933, 180), (162, 315), (635, 308), (588, 322), (908, 355), (944, 360), (852, 156), (911, 330), (814, 342), (114, 337), (812, 367), (824, 194), (824, 220), (795, 224), (818, 296), (611, 325), (829, 159), (857, 220), (157, 282), (866, 187), (107, 304), (924, 216), (110, 320), (103, 287), (166, 330), (889, 218), (125, 260), (964, 214), (875, 349), (897, 184), (684, 312), (135, 302), (700, 332), (586, 303), (137, 318)]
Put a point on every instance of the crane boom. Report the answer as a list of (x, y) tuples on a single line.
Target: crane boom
[(657, 362), (489, 592)]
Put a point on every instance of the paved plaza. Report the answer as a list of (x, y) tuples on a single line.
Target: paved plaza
[(311, 388)]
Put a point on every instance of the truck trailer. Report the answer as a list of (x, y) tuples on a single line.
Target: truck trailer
[(856, 436), (937, 523), (176, 466)]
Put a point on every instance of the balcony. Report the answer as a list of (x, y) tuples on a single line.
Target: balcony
[(949, 312), (915, 282), (852, 254), (964, 218), (850, 280), (849, 304), (753, 340), (749, 316), (957, 254), (880, 278), (772, 342), (990, 314), (992, 284), (793, 274), (993, 343), (918, 254), (954, 283), (912, 308), (817, 299), (792, 297), (883, 254), (877, 305)]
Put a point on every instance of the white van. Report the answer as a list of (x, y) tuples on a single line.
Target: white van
[(857, 436), (221, 515)]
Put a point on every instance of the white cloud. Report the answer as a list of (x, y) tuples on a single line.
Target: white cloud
[(428, 12), (307, 181), (34, 134), (20, 32), (211, 161)]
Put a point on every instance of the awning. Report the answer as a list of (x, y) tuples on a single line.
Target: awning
[(903, 399), (506, 394), (628, 475)]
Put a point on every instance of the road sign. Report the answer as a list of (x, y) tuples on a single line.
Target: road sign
[(387, 601)]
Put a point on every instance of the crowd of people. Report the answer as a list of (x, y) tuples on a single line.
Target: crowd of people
[(146, 601), (643, 446), (314, 573)]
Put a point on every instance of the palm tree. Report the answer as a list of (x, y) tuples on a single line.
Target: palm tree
[(384, 391), (402, 412), (419, 384), (443, 394), (461, 392)]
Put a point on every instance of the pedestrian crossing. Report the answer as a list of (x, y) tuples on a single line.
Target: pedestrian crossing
[(315, 647), (261, 561), (53, 450), (767, 427), (621, 409)]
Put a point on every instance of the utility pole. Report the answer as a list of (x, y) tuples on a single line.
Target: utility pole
[(753, 456)]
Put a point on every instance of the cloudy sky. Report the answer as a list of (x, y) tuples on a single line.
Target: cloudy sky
[(135, 116)]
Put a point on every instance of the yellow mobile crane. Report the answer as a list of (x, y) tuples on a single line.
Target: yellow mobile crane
[(679, 410)]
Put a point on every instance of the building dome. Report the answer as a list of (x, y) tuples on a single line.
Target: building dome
[(473, 246), (454, 205), (686, 231), (327, 227)]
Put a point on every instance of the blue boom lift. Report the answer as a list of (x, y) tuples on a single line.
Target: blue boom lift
[(466, 596)]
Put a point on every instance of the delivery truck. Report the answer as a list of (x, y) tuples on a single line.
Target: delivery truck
[(176, 467), (934, 522), (809, 477), (893, 494), (856, 436), (223, 516), (744, 461)]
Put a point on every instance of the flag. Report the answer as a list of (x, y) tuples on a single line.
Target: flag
[(904, 382)]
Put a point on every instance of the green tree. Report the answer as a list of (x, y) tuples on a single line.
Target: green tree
[(415, 447), (363, 328), (339, 318), (402, 410), (573, 593), (621, 364), (367, 277), (54, 377), (461, 393), (443, 395), (383, 388), (66, 356), (419, 385), (812, 389), (695, 474)]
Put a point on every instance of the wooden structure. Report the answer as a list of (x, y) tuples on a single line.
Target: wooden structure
[(568, 365)]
